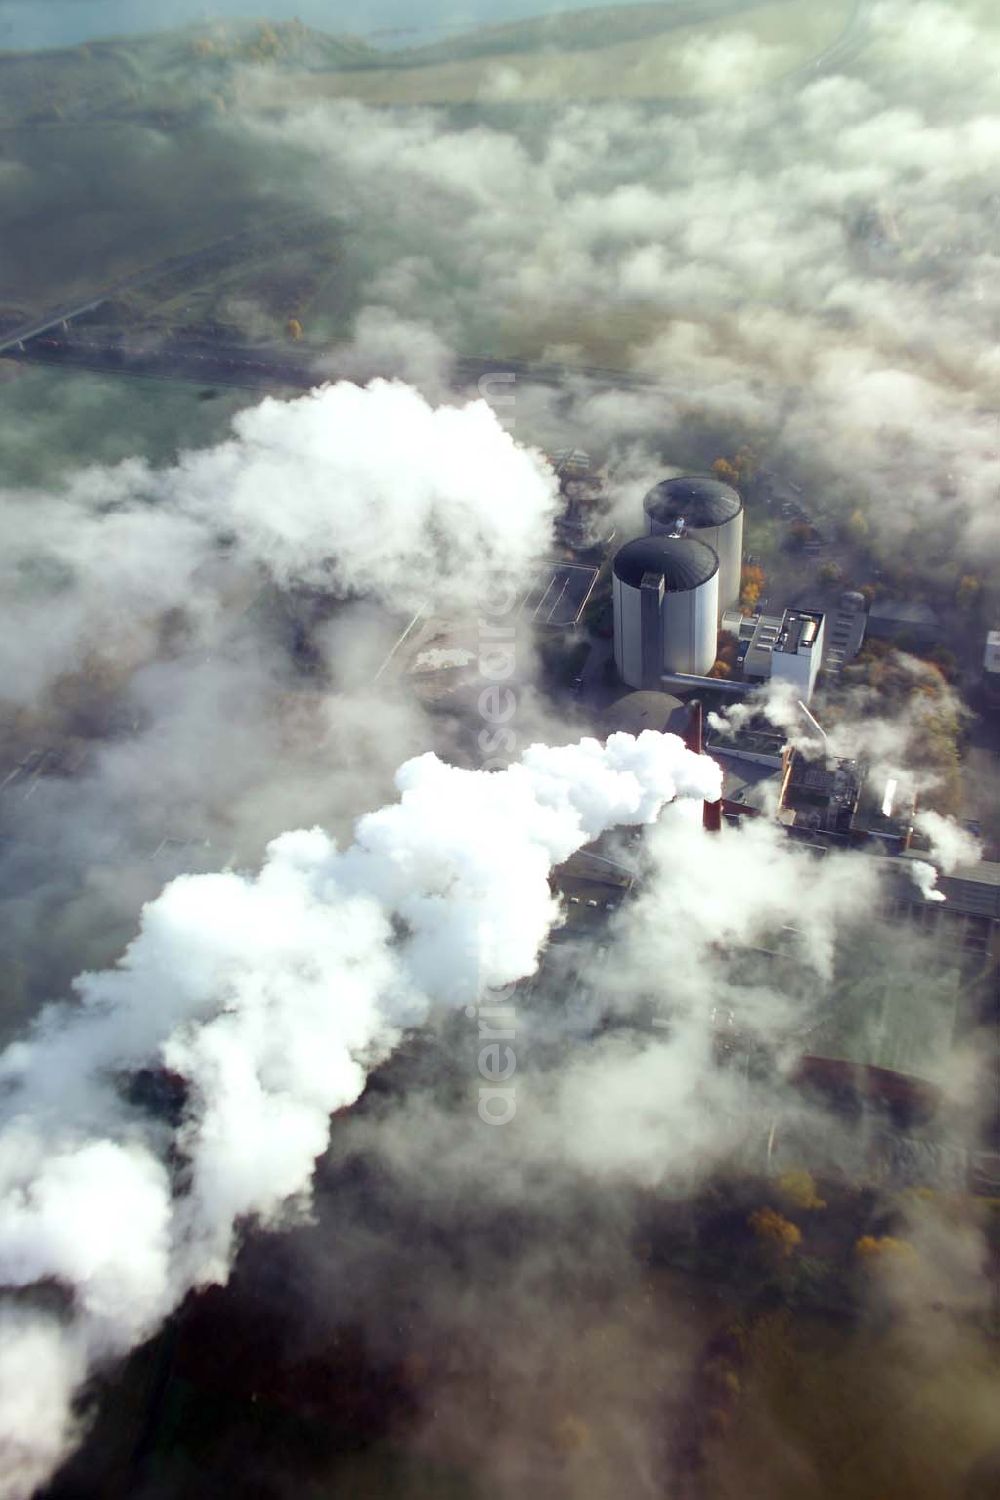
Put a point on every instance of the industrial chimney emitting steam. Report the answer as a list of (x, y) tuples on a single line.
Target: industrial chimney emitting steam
[(711, 814)]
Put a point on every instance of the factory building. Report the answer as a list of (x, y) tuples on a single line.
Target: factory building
[(840, 802), (709, 511), (783, 648), (904, 621), (666, 601)]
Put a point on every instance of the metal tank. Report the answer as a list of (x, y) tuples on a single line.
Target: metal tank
[(708, 510), (666, 605)]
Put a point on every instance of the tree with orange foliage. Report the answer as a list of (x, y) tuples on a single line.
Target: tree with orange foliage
[(774, 1230), (726, 471), (728, 647), (745, 461), (727, 651), (738, 469), (858, 529), (751, 587), (874, 1248), (294, 330), (798, 1186)]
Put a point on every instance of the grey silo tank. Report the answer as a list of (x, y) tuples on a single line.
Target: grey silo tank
[(666, 596), (713, 513)]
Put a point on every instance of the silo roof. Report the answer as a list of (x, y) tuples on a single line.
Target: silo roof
[(682, 562), (701, 501)]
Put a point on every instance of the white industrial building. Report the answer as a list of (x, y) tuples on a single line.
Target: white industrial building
[(711, 512), (666, 602), (782, 648)]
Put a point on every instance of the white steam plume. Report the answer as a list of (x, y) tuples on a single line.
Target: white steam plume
[(951, 845), (367, 491), (924, 877), (272, 997)]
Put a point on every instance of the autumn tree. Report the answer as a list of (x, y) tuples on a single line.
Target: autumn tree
[(726, 654), (916, 694), (737, 469), (858, 529), (752, 582), (799, 1188), (746, 461), (875, 1248), (775, 1231), (728, 646)]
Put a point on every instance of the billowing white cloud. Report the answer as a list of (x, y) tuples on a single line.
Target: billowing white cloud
[(813, 265), (271, 997), (360, 491)]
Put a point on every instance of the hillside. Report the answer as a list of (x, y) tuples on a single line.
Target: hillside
[(175, 72), (566, 31), (662, 53)]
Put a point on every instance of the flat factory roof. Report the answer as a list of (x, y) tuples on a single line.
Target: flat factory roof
[(559, 594)]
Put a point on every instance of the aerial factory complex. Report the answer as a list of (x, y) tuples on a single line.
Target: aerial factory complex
[(746, 684)]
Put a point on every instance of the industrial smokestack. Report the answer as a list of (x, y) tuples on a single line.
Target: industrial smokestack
[(695, 741), (711, 817), (695, 737)]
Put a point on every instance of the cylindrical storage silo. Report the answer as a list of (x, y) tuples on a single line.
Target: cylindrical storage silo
[(666, 601), (710, 511)]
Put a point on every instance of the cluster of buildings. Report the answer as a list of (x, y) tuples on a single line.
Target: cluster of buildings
[(676, 598), (676, 613), (913, 978)]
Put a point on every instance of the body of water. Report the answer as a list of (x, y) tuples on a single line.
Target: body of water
[(30, 24)]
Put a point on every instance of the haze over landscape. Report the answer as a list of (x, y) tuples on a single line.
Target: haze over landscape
[(59, 23), (479, 1013)]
